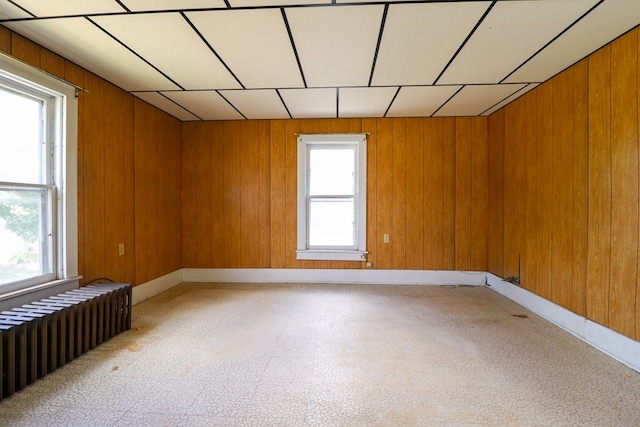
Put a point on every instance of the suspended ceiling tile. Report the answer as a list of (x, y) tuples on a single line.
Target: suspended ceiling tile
[(42, 8), (513, 97), (166, 105), (474, 100), (254, 44), (206, 104), (10, 11), (180, 53), (81, 42), (257, 104), (142, 5), (606, 22), (419, 40), (256, 3), (336, 45), (310, 103), (420, 101), (511, 33), (365, 101)]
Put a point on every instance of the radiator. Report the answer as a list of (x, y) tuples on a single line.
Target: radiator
[(40, 337)]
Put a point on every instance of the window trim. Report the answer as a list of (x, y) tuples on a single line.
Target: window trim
[(359, 253), (64, 130)]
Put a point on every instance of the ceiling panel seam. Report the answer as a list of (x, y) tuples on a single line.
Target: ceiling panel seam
[(504, 99), (185, 109), (284, 104), (21, 8), (134, 52), (375, 55), (482, 18), (391, 103), (552, 40), (212, 49), (293, 45), (122, 5), (445, 102), (232, 106)]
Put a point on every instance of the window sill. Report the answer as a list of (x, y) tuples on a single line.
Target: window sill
[(29, 294), (331, 255)]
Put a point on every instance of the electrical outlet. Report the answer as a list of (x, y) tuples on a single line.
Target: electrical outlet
[(385, 238), (120, 249), (369, 265)]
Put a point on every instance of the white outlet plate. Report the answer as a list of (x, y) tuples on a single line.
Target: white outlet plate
[(385, 238)]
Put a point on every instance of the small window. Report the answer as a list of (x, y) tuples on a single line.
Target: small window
[(37, 178), (332, 197)]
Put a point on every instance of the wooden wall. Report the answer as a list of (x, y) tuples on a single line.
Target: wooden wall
[(564, 188), (129, 184), (427, 187)]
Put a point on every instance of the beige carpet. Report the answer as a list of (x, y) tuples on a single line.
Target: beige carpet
[(333, 355)]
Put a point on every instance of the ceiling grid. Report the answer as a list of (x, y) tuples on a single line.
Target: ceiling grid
[(268, 59)]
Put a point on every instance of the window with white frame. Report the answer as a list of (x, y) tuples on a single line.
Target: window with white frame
[(38, 213), (332, 197)]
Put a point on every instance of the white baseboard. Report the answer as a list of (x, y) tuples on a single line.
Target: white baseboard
[(284, 275), (155, 286), (610, 342)]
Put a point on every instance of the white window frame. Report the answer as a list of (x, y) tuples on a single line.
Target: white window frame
[(62, 130), (359, 252)]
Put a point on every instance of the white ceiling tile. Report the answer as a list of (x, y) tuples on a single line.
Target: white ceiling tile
[(42, 8), (81, 42), (419, 40), (511, 33), (180, 53), (166, 105), (310, 103), (336, 45), (254, 44), (10, 11), (513, 97), (474, 100), (365, 101), (420, 101), (142, 5), (207, 105), (257, 104), (255, 3), (608, 21)]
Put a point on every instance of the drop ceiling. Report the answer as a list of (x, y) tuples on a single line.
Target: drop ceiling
[(267, 59)]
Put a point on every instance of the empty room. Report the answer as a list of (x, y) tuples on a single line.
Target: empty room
[(320, 213)]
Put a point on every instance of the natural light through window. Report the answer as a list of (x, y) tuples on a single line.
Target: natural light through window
[(332, 197)]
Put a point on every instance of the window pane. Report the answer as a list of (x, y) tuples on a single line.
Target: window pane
[(331, 222), (331, 171), (21, 136), (24, 250)]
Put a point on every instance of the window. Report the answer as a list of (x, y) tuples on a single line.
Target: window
[(38, 218), (332, 197)]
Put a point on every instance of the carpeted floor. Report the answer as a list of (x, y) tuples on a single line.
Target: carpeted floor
[(333, 355)]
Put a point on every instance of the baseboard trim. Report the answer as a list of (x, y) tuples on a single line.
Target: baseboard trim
[(610, 342), (284, 275), (153, 287)]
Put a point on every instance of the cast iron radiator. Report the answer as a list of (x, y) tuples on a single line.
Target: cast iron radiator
[(40, 337)]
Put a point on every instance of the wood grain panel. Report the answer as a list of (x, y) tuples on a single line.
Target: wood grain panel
[(580, 186), (510, 185), (495, 217), (141, 131), (232, 196), (385, 199), (291, 191), (277, 194), (204, 199), (562, 193), (249, 211), (93, 146), (599, 251), (449, 196), (624, 184), (5, 39), (25, 50), (398, 236), (415, 216), (527, 134), (189, 194), (463, 193), (479, 193), (53, 64), (216, 177), (434, 194), (129, 183), (544, 205)]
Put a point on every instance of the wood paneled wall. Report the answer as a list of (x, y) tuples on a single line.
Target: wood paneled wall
[(129, 187), (564, 188), (427, 187)]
